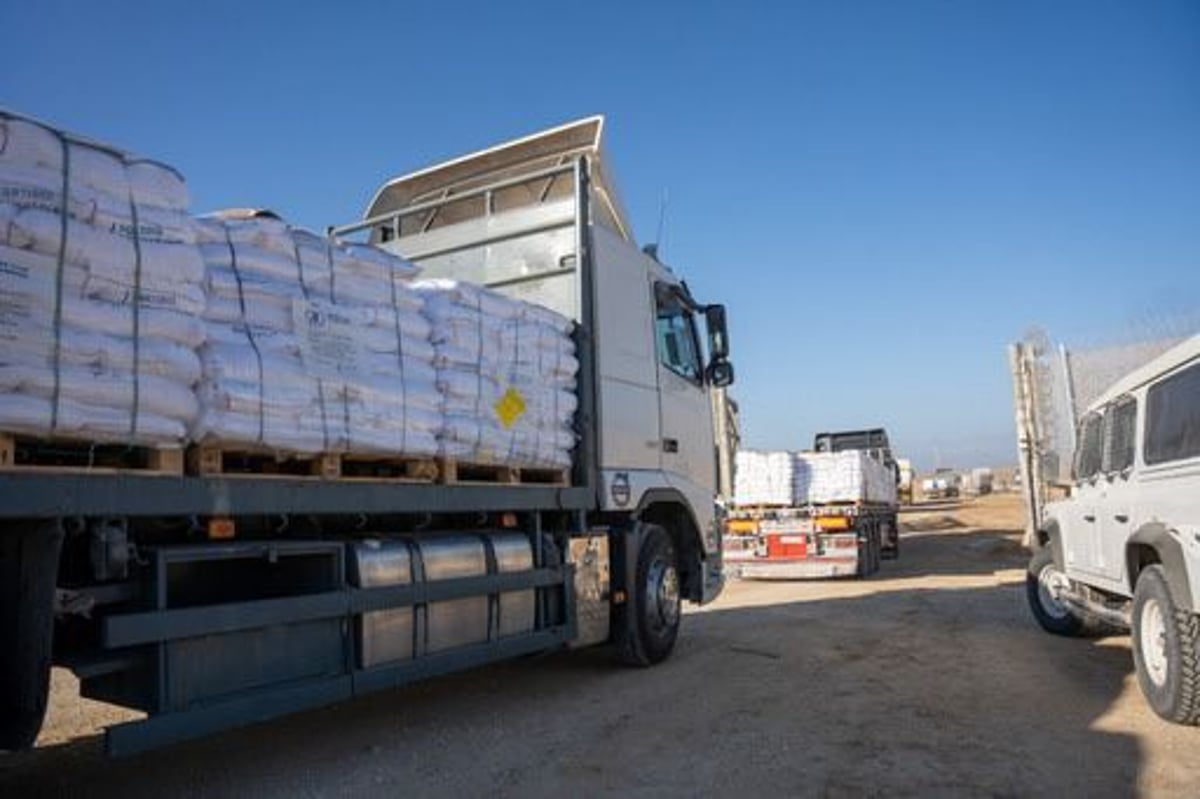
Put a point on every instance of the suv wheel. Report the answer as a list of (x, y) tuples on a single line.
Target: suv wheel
[(1044, 584), (1166, 649)]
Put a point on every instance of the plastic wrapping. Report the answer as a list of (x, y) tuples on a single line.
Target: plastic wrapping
[(849, 476), (507, 372), (100, 288), (291, 364), (763, 478), (803, 478)]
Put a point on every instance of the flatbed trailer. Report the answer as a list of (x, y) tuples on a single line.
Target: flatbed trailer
[(811, 541), (212, 600)]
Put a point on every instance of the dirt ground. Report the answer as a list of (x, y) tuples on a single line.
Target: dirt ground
[(930, 679)]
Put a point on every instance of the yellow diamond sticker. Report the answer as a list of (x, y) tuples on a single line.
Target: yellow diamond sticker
[(510, 407)]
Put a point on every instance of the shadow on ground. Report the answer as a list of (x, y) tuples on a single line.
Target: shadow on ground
[(941, 552), (903, 691)]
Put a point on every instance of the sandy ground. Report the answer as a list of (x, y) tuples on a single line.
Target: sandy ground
[(929, 680)]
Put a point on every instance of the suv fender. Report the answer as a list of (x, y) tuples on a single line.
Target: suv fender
[(1157, 537), (1048, 535)]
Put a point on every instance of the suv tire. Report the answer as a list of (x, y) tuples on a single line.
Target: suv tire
[(1166, 649), (1041, 579)]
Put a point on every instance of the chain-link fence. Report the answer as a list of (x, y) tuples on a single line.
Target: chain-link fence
[(1052, 385)]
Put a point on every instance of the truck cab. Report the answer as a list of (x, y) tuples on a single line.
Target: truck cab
[(540, 219)]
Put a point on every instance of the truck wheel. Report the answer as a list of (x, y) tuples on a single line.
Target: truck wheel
[(28, 575), (649, 636), (868, 551), (891, 550), (1166, 649), (1043, 582), (876, 548)]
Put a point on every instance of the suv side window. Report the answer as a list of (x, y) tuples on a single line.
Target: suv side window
[(1173, 417), (1088, 457), (1120, 430), (677, 342)]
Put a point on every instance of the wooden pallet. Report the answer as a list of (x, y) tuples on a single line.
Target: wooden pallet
[(232, 461), (21, 453), (453, 471)]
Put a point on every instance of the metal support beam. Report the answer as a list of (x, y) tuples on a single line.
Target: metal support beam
[(156, 626), (34, 495)]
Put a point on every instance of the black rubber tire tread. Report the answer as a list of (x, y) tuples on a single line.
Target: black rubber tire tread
[(862, 567), (875, 547), (635, 645), (877, 539), (893, 552), (28, 573), (1178, 700), (1072, 625)]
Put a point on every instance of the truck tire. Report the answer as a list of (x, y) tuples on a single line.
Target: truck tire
[(648, 635), (891, 550), (868, 553), (863, 567), (28, 577), (1166, 649), (877, 533), (1041, 580)]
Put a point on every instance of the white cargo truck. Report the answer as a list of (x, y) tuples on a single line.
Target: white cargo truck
[(831, 512), (1123, 549), (210, 600)]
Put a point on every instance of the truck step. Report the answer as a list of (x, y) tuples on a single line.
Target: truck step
[(238, 461), (453, 471), (46, 455)]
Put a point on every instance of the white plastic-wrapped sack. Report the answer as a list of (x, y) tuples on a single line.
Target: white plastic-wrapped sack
[(849, 476), (763, 478), (101, 285), (292, 363), (507, 371), (26, 144)]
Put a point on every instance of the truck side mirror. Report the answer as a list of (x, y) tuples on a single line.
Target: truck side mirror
[(719, 374), (718, 336)]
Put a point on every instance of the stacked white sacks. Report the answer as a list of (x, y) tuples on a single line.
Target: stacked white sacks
[(848, 476), (101, 285), (311, 346), (763, 478), (507, 371)]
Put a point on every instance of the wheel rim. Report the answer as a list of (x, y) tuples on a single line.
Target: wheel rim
[(1051, 585), (662, 591), (1152, 640)]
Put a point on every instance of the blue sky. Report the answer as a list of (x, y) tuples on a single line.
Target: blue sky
[(883, 193)]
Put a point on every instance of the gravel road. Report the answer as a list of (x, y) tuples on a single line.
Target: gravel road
[(930, 679)]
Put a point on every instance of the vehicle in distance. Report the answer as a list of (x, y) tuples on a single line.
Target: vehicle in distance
[(942, 484), (832, 512)]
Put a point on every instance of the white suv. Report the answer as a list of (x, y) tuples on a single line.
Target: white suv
[(1124, 548)]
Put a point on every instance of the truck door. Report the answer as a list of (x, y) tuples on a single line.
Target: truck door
[(687, 449)]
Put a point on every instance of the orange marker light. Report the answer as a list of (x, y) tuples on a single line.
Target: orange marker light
[(220, 529), (833, 523)]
